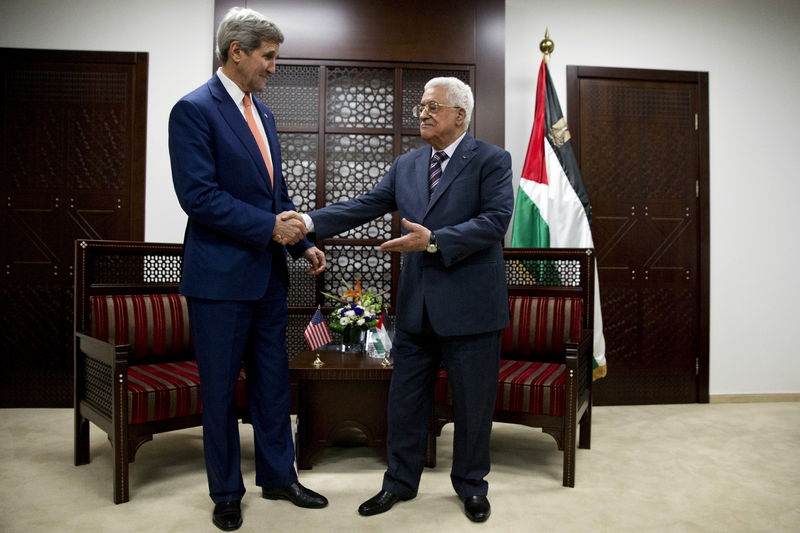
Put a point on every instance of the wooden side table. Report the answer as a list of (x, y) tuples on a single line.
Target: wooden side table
[(348, 391)]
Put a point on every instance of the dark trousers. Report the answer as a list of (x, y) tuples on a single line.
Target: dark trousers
[(228, 334), (472, 363)]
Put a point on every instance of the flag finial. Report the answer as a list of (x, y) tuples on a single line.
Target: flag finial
[(546, 45)]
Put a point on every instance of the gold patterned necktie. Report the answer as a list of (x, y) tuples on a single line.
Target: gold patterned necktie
[(251, 121)]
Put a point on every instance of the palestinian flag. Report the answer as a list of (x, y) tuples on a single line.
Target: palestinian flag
[(378, 338), (552, 208)]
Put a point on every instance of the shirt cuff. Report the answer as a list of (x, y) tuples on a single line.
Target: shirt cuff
[(309, 223)]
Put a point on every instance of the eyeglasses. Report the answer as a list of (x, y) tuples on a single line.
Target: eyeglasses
[(433, 107)]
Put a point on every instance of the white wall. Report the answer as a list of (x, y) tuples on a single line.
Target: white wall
[(751, 51), (749, 47)]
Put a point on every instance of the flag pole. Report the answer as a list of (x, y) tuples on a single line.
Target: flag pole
[(546, 45)]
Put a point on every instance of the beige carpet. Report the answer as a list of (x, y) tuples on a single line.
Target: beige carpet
[(717, 467)]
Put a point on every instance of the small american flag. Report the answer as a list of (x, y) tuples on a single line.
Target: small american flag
[(316, 332)]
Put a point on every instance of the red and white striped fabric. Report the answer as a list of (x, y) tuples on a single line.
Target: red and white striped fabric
[(153, 324), (541, 325), (538, 326), (169, 390)]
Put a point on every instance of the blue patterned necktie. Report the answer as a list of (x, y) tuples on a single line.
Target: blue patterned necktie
[(435, 170)]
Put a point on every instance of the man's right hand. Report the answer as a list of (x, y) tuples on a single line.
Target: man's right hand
[(289, 228)]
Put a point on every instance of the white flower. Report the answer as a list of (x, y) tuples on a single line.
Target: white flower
[(343, 321), (360, 322), (350, 312)]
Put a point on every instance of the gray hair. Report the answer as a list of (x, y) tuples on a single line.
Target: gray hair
[(458, 93), (248, 27)]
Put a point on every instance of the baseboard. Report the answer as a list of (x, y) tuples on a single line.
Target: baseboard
[(755, 398)]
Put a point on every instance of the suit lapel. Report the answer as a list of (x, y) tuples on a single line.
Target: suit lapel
[(461, 157), (230, 112)]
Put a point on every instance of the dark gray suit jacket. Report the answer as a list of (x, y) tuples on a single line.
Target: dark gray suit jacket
[(463, 286)]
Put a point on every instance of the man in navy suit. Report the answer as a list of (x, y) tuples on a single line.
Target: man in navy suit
[(455, 201), (226, 168)]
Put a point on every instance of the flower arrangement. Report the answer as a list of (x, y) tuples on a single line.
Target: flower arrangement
[(359, 310)]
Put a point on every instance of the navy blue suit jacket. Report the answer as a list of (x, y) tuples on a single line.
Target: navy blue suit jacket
[(463, 286), (222, 184)]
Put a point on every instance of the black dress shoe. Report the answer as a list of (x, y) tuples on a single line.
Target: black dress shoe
[(477, 508), (228, 515), (380, 503), (297, 494)]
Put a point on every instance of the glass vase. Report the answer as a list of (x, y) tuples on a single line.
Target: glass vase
[(352, 340)]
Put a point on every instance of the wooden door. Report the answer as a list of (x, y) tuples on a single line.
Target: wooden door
[(641, 139), (72, 164)]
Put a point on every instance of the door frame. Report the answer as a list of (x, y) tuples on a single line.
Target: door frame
[(574, 75)]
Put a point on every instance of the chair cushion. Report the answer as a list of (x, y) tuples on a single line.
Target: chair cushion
[(153, 324), (541, 325), (169, 390), (523, 387), (538, 326)]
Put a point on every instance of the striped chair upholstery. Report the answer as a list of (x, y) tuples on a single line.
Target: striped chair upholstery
[(538, 325), (155, 326)]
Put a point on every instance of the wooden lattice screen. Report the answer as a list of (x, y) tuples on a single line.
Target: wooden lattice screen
[(341, 125)]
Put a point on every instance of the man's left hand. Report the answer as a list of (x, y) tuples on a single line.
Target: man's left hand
[(415, 240), (317, 259)]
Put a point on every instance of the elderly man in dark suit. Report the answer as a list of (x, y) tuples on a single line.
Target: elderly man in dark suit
[(226, 167), (455, 199)]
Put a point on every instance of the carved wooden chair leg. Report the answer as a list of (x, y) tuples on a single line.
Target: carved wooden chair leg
[(121, 470), (569, 465), (81, 440), (430, 455), (558, 436), (570, 441), (134, 443), (585, 439)]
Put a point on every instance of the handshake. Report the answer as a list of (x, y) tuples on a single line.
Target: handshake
[(289, 228)]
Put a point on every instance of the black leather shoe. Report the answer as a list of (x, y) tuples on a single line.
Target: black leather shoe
[(380, 503), (297, 494), (228, 515), (477, 508)]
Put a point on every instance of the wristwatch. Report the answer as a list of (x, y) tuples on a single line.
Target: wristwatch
[(433, 244)]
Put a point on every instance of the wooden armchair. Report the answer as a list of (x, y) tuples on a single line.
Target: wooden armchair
[(135, 373), (545, 374)]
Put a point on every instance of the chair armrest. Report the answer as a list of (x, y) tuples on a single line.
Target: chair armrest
[(577, 351), (114, 355)]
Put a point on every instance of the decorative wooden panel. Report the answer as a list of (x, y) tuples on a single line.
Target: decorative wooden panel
[(360, 97), (360, 89), (343, 151), (353, 165), (450, 35), (642, 153), (72, 165), (294, 96)]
